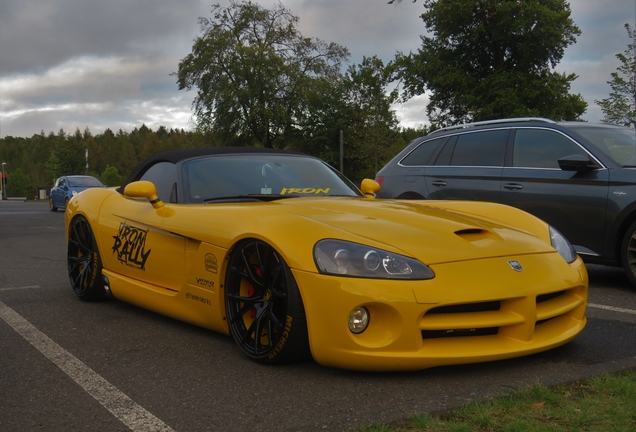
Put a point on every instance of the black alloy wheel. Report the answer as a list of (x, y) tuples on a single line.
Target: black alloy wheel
[(84, 263), (264, 309)]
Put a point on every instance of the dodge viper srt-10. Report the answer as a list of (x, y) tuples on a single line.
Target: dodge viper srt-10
[(292, 260)]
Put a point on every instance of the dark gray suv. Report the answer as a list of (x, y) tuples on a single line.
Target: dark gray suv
[(578, 177)]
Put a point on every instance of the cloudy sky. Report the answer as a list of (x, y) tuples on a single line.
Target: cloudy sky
[(106, 64)]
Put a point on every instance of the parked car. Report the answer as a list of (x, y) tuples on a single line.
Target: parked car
[(578, 177), (283, 253), (67, 187)]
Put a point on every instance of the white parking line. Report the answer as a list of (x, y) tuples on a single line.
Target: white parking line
[(19, 288), (612, 308), (121, 406)]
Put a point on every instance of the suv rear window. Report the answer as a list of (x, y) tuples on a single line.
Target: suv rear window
[(480, 148), (423, 153)]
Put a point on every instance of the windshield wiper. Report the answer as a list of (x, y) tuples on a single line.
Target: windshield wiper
[(249, 198)]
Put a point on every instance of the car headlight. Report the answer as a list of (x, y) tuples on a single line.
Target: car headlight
[(562, 245), (337, 257), (73, 193)]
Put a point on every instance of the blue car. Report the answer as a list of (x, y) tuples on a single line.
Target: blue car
[(68, 186)]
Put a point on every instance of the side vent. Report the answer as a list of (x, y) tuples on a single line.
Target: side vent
[(470, 231)]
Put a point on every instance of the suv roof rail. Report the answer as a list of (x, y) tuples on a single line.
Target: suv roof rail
[(487, 122)]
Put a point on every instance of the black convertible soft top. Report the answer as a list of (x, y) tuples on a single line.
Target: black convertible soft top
[(175, 156)]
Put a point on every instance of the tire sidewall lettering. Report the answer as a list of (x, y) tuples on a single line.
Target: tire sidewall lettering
[(283, 338), (94, 272)]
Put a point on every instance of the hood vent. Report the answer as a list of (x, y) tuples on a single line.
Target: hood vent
[(470, 231), (478, 236)]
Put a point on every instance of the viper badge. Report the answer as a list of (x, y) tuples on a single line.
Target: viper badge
[(515, 265)]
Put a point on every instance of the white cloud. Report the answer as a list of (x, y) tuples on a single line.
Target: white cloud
[(76, 63)]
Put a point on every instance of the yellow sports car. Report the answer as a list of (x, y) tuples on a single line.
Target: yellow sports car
[(285, 254)]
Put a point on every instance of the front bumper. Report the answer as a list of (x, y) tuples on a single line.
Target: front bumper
[(472, 311)]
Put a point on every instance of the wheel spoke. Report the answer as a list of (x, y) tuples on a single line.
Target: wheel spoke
[(257, 333), (76, 262), (265, 260), (83, 276), (242, 311), (274, 319), (242, 274), (270, 333), (258, 256), (250, 300), (249, 276), (248, 332), (264, 319)]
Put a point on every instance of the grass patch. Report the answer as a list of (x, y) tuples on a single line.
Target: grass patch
[(606, 403)]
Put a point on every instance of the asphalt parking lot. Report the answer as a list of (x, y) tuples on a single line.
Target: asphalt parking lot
[(75, 366)]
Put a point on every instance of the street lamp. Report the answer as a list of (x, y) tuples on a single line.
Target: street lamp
[(4, 183)]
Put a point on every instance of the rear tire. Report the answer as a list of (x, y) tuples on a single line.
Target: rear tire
[(628, 253), (84, 263), (264, 309), (51, 205)]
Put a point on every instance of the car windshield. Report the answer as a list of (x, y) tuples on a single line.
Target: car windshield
[(216, 177), (618, 142), (83, 182)]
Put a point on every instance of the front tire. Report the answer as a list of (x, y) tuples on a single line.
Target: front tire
[(264, 309), (628, 253), (84, 263)]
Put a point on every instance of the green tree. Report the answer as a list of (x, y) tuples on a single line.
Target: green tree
[(254, 72), (493, 59), (67, 158), (620, 106), (19, 185), (110, 176), (375, 125), (359, 105)]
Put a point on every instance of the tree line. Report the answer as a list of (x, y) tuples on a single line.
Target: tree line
[(39, 160), (259, 82)]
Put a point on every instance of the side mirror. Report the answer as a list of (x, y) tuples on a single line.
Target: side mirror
[(144, 189), (369, 188), (576, 163)]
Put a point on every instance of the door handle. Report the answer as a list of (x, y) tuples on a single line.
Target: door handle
[(439, 183), (513, 186)]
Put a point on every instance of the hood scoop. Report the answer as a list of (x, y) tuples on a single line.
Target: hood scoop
[(478, 236)]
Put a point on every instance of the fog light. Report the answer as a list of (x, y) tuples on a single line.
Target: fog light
[(359, 320)]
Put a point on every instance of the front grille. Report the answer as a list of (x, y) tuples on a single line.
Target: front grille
[(470, 307), (513, 318), (455, 315), (538, 323), (435, 334), (545, 297)]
